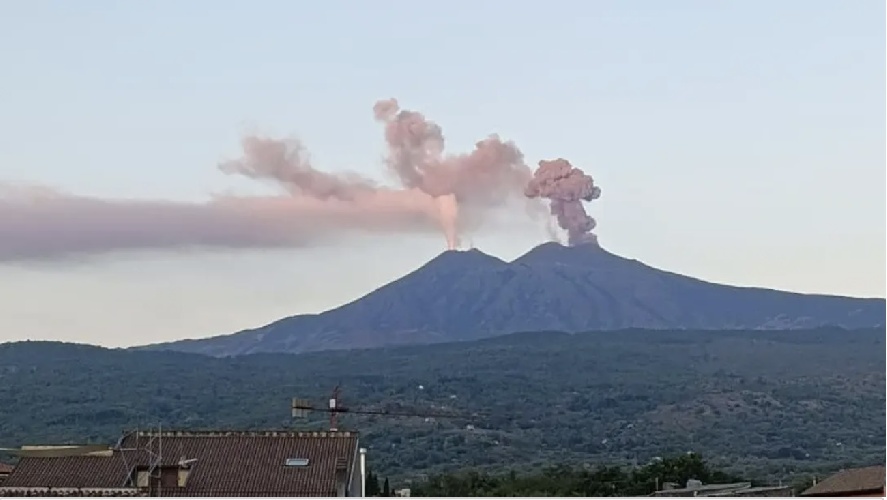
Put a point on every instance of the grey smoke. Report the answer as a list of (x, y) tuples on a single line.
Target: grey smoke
[(566, 187)]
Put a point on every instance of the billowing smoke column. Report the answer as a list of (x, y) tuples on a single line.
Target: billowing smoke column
[(437, 192), (566, 187), (481, 179)]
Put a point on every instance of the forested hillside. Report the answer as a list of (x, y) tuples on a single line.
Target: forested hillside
[(754, 402)]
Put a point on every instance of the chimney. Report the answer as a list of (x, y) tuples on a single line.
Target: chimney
[(185, 470), (341, 476), (183, 476), (363, 472)]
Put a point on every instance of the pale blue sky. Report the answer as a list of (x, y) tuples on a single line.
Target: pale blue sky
[(739, 142)]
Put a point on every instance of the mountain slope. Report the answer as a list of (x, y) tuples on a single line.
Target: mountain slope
[(748, 398), (470, 295), (641, 296)]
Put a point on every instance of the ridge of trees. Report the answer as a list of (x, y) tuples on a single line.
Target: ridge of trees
[(565, 480), (762, 404)]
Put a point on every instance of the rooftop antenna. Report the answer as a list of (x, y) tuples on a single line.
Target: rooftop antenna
[(334, 405), (144, 449), (301, 408)]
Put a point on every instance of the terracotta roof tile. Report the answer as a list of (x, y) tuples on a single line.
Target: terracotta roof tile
[(69, 472), (861, 480), (70, 492), (228, 463)]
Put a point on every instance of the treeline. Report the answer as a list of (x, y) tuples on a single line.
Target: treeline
[(564, 481), (375, 488), (767, 404)]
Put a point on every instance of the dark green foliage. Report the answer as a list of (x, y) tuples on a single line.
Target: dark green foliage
[(372, 485), (762, 404), (568, 481)]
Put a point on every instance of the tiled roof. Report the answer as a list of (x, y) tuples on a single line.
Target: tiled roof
[(71, 492), (757, 491), (5, 468), (861, 480), (69, 472), (702, 490), (225, 463)]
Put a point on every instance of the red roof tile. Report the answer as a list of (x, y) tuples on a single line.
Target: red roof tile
[(226, 463), (861, 480), (71, 492), (69, 472)]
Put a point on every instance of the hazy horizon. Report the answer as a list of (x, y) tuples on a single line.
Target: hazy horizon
[(731, 146)]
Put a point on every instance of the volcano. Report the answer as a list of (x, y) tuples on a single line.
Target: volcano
[(467, 295)]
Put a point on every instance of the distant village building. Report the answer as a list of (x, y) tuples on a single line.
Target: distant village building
[(695, 488), (860, 482), (195, 463)]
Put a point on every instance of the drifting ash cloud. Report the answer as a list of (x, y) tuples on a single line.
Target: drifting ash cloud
[(44, 224), (442, 192)]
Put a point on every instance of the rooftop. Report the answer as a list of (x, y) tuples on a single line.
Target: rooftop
[(852, 481), (217, 463), (701, 489)]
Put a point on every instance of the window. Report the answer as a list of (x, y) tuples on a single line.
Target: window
[(296, 462)]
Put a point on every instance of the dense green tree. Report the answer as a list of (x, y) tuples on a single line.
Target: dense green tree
[(763, 404), (372, 484), (565, 481)]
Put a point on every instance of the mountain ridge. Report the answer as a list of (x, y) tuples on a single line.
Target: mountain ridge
[(466, 295)]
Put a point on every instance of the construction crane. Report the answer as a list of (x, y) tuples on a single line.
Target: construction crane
[(302, 407)]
